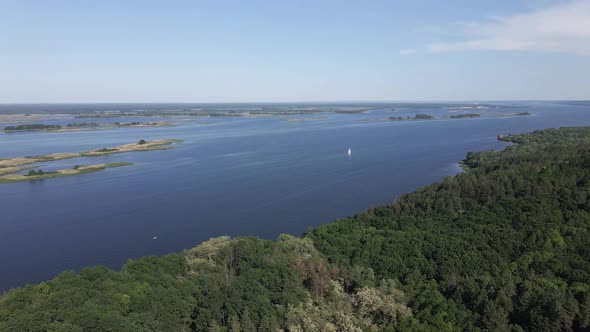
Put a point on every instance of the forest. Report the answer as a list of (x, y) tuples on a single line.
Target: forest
[(503, 246)]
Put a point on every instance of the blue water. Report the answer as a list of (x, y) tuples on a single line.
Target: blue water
[(236, 176)]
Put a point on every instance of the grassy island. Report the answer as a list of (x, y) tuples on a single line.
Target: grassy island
[(465, 116), (17, 161), (419, 116), (131, 147), (41, 175), (8, 167), (503, 247)]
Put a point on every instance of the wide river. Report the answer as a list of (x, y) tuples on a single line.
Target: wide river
[(236, 176)]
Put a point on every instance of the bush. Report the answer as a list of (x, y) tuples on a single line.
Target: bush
[(33, 173)]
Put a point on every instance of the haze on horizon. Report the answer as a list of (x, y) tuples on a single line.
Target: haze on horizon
[(262, 51)]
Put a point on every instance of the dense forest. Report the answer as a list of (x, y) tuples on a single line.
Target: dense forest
[(503, 246)]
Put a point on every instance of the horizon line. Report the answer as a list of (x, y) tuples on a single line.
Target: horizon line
[(292, 102)]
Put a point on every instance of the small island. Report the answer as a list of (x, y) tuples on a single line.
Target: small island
[(465, 116), (9, 168), (41, 175), (142, 145), (419, 116), (17, 161)]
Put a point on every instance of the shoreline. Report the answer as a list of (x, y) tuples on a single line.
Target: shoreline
[(102, 126), (469, 116), (76, 170)]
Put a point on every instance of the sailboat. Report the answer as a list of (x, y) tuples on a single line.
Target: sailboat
[(349, 151)]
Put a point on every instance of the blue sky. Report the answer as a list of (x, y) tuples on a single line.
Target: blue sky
[(263, 51)]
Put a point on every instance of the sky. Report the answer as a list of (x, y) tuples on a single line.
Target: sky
[(293, 51)]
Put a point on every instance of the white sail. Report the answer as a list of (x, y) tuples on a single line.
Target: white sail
[(349, 151)]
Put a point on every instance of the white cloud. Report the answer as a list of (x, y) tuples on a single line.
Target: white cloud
[(407, 51), (563, 28)]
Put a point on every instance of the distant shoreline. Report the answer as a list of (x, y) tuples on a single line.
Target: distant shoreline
[(254, 107), (82, 126), (467, 116)]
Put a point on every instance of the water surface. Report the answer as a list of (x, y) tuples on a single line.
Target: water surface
[(231, 176)]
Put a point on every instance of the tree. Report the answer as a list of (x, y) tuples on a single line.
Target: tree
[(247, 324), (234, 324)]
